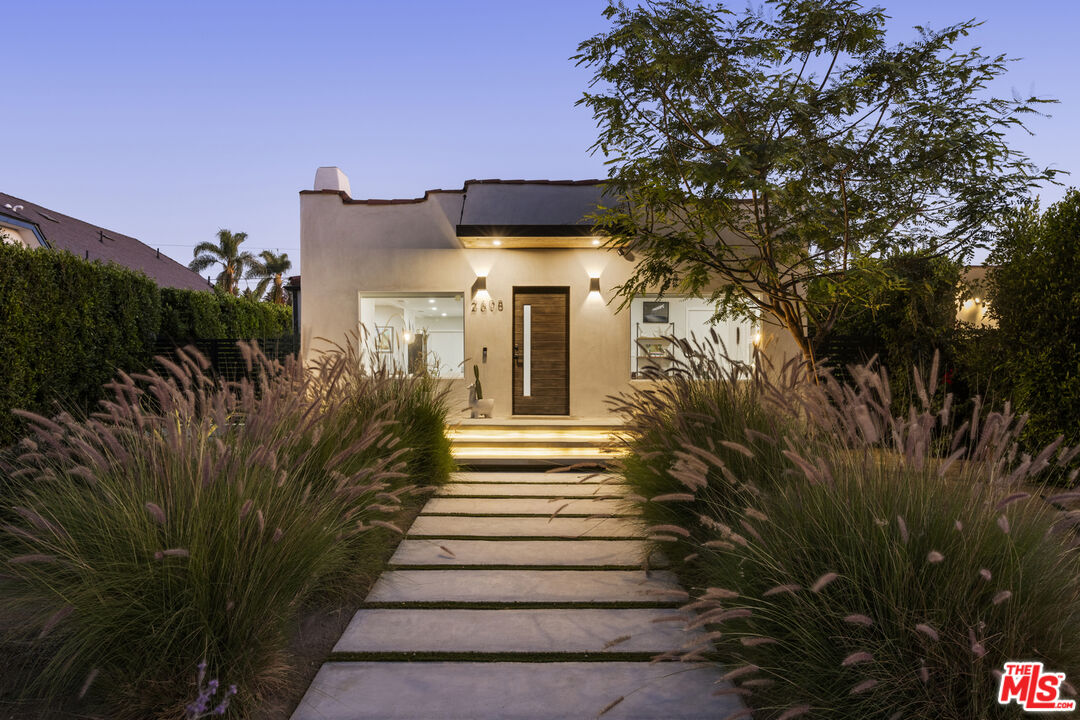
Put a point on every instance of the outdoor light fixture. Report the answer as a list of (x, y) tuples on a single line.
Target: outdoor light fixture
[(757, 338), (480, 286), (496, 242), (594, 285), (596, 241)]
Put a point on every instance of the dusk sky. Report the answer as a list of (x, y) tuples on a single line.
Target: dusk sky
[(169, 120)]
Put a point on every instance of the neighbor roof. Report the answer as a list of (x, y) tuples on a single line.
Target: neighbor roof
[(63, 232)]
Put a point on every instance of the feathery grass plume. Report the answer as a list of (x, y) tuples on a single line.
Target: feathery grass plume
[(832, 464), (322, 455)]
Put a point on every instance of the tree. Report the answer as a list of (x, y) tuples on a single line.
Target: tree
[(270, 266), (257, 293), (754, 153), (1035, 299), (226, 253)]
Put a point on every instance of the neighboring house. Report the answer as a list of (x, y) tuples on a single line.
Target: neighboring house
[(973, 305), (34, 226), (506, 275)]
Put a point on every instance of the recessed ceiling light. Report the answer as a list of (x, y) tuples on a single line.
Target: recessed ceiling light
[(444, 314), (596, 241), (496, 242), (431, 300), (435, 309)]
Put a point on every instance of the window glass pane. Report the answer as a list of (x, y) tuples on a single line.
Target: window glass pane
[(654, 321), (415, 333)]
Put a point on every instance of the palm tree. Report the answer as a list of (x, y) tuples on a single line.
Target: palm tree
[(256, 293), (270, 266), (226, 253)]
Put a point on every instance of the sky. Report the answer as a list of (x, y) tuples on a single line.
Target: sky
[(168, 120)]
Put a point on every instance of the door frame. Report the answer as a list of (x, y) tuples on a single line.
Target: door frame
[(553, 289)]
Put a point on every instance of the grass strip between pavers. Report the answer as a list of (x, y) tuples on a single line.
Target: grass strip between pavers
[(531, 497), (480, 656), (529, 515), (436, 566), (523, 537), (503, 605)]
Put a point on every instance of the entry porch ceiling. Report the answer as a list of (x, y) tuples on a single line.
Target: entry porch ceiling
[(529, 236)]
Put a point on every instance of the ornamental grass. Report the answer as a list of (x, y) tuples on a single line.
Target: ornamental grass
[(880, 567), (191, 520)]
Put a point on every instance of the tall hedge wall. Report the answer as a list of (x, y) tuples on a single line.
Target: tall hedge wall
[(197, 314), (67, 326)]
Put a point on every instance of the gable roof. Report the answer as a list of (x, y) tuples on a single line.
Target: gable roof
[(63, 232)]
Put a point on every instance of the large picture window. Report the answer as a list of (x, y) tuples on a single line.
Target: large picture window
[(415, 333), (655, 321)]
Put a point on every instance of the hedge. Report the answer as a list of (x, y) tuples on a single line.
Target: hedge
[(196, 314), (1035, 299), (68, 325)]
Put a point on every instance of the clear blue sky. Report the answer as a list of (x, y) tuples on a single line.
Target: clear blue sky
[(168, 120)]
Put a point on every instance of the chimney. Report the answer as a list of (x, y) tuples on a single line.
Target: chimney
[(331, 178)]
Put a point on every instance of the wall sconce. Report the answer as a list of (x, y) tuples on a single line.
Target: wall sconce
[(407, 337), (594, 285), (757, 338), (479, 287)]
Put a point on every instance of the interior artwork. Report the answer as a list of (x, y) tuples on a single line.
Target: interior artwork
[(654, 311)]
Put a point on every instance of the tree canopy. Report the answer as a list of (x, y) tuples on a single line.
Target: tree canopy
[(754, 152)]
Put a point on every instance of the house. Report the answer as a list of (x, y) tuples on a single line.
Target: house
[(507, 276), (34, 226), (974, 307)]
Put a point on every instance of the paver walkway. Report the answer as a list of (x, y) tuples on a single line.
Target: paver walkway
[(492, 608)]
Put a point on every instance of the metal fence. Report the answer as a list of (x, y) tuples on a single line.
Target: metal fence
[(225, 357)]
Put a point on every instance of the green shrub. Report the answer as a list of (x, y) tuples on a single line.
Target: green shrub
[(204, 315), (904, 320), (192, 519), (68, 326), (1036, 301)]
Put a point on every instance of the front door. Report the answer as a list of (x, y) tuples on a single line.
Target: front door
[(541, 351)]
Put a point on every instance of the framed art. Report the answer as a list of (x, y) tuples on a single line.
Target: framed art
[(384, 339), (654, 312)]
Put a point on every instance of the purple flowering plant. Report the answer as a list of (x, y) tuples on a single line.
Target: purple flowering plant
[(203, 706)]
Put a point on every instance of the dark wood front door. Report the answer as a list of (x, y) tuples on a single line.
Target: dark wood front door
[(541, 351)]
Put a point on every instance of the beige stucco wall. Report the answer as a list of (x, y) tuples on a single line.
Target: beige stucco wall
[(18, 235), (974, 308), (350, 249)]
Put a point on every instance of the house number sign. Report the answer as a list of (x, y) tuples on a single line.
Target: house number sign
[(486, 306)]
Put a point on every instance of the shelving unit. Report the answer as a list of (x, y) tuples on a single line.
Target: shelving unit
[(652, 344)]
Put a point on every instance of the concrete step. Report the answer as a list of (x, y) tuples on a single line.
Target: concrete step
[(541, 490), (565, 507), (615, 631), (521, 552), (498, 477), (514, 691), (513, 586), (534, 527)]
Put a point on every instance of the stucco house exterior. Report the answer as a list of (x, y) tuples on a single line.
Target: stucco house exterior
[(34, 226), (506, 275)]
